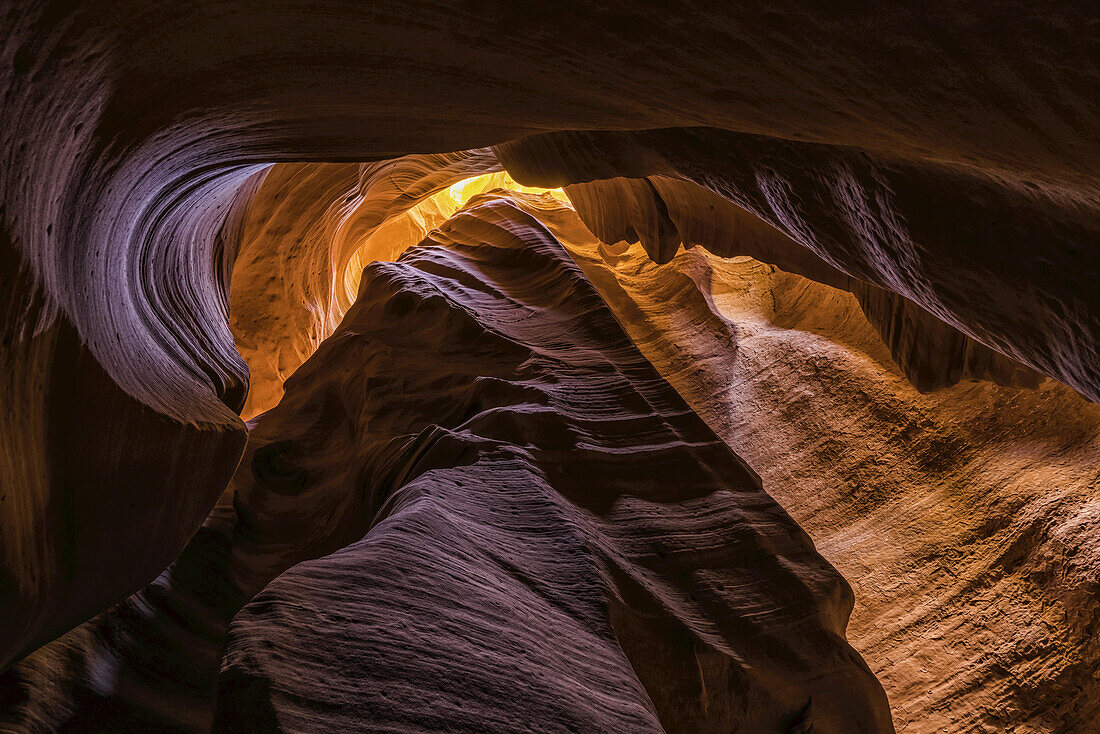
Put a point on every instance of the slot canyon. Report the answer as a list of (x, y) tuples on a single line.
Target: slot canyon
[(492, 366)]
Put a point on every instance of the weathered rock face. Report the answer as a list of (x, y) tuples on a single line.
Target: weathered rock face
[(946, 156), (83, 510), (542, 514), (556, 541), (964, 519), (892, 484), (308, 232), (950, 238), (303, 228), (663, 213)]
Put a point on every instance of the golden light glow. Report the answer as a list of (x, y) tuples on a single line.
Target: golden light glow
[(409, 228), (463, 191)]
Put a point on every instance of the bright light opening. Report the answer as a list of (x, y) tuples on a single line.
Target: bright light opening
[(405, 230)]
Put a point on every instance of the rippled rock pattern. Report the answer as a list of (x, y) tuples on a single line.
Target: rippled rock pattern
[(662, 213), (301, 231), (952, 239), (553, 539), (937, 161), (557, 542), (965, 519)]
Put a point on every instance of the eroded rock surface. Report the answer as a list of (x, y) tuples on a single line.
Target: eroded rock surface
[(302, 230), (944, 154), (965, 519), (664, 213), (557, 542), (551, 538), (951, 238)]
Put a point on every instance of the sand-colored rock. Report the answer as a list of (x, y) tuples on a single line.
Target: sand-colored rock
[(965, 519), (539, 505), (944, 153), (543, 501), (664, 214), (302, 230), (950, 238)]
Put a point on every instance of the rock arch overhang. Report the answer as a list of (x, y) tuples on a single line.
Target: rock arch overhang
[(135, 133)]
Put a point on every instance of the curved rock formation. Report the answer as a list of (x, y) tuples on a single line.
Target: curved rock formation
[(953, 239), (540, 507), (965, 519), (787, 372), (944, 155), (663, 213), (302, 229), (544, 502)]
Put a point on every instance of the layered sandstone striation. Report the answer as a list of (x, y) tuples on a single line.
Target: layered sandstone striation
[(970, 509), (965, 519), (943, 155), (304, 228), (665, 213), (895, 224), (556, 541), (532, 509)]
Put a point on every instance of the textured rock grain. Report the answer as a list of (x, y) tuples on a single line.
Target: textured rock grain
[(302, 229), (946, 153), (556, 543), (541, 513), (943, 153), (964, 519), (932, 354)]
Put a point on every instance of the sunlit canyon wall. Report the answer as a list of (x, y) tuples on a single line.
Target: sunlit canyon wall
[(806, 306)]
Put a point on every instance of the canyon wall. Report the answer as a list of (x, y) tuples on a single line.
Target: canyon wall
[(963, 519), (945, 155), (532, 508), (304, 227), (664, 213)]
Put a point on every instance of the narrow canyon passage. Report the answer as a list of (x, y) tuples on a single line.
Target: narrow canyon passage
[(395, 435), (466, 365), (554, 540), (965, 519), (556, 521)]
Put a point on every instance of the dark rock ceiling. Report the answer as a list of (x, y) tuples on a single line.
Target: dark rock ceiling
[(186, 186)]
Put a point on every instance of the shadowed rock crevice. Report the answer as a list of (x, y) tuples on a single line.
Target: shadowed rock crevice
[(483, 599), (963, 518), (534, 494), (182, 185), (895, 224), (933, 354)]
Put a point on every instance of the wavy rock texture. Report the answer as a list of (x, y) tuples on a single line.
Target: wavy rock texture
[(964, 519), (541, 513), (540, 523), (970, 509), (304, 228), (943, 153), (953, 239), (663, 213), (99, 489)]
